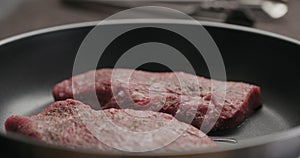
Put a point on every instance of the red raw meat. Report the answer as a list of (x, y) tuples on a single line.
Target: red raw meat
[(73, 124), (188, 98)]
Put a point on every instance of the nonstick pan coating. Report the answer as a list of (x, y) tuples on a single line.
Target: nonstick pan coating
[(31, 64)]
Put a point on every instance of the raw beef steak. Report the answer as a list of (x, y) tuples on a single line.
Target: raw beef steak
[(74, 124), (183, 95)]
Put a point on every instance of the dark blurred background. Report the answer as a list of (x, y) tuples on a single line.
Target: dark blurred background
[(279, 16)]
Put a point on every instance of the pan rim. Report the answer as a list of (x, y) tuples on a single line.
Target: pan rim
[(249, 143), (128, 21)]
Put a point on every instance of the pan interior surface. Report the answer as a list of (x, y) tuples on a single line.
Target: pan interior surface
[(31, 66)]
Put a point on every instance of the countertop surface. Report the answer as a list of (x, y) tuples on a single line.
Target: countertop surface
[(19, 16)]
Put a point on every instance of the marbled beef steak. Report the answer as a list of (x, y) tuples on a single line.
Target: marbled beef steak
[(73, 124), (164, 92)]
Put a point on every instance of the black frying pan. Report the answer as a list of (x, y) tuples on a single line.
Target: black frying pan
[(31, 64)]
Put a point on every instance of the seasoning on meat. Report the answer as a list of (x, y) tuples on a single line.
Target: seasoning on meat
[(73, 124), (165, 93)]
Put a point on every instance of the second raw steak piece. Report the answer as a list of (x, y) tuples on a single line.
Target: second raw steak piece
[(186, 98), (73, 124)]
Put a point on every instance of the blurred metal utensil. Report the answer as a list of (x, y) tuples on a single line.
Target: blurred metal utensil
[(231, 11), (274, 8)]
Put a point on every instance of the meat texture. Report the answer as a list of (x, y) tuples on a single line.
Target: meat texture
[(188, 97), (73, 124)]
